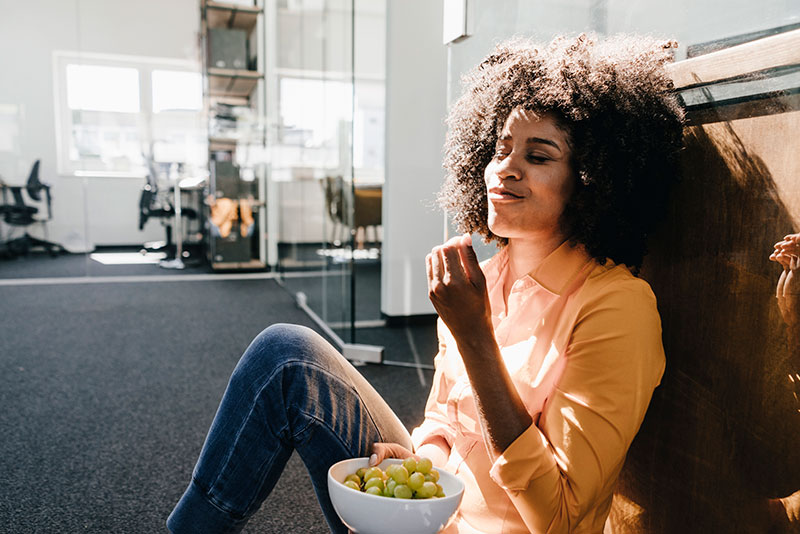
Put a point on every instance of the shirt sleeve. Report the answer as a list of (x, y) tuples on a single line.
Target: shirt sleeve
[(557, 469), (436, 422)]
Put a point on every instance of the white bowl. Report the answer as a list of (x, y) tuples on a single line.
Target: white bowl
[(372, 514)]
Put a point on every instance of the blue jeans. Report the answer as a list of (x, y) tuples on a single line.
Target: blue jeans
[(291, 390)]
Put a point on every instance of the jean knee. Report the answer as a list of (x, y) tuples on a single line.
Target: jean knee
[(284, 334), (277, 345)]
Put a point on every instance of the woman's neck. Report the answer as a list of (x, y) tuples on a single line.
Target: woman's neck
[(524, 255)]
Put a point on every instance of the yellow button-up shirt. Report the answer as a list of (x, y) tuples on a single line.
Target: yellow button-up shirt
[(582, 342)]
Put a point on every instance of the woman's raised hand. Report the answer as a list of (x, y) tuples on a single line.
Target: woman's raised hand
[(457, 288)]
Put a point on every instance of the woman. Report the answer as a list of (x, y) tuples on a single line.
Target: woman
[(548, 353)]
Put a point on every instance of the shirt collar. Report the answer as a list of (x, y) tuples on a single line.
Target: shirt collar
[(560, 267), (554, 273)]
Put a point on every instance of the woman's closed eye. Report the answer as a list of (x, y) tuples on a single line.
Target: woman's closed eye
[(537, 158)]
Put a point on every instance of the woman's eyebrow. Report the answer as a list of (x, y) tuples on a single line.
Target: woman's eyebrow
[(544, 141)]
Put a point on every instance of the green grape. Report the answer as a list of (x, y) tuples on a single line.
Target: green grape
[(403, 492), (373, 472), (374, 482), (410, 464), (400, 474), (352, 485), (439, 490), (361, 472), (427, 490), (433, 476), (415, 481), (374, 490), (354, 478), (390, 469), (424, 465)]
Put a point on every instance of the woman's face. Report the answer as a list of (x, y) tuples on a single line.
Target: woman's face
[(529, 179)]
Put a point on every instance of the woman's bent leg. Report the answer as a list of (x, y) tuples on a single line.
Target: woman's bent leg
[(290, 390)]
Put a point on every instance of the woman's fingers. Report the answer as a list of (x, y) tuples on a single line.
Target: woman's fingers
[(429, 269), (437, 266), (470, 260), (783, 259), (381, 451), (781, 283), (452, 264)]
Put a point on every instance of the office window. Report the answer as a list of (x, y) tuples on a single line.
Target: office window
[(312, 110), (176, 90), (101, 88), (316, 120), (114, 112)]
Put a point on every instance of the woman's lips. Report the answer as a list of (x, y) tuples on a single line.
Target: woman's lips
[(502, 194)]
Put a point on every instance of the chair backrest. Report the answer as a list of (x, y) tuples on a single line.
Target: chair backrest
[(152, 174), (144, 205), (34, 186), (22, 214)]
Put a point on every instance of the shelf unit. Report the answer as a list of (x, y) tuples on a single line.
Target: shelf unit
[(234, 103)]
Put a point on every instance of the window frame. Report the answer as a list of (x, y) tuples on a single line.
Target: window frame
[(145, 65)]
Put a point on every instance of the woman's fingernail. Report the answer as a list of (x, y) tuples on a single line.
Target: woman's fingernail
[(373, 459)]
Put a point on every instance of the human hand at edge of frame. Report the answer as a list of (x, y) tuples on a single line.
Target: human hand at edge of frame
[(787, 253), (457, 288), (382, 450)]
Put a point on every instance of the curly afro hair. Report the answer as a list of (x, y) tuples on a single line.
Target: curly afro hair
[(613, 99)]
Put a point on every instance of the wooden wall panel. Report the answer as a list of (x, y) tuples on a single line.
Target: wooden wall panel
[(722, 436)]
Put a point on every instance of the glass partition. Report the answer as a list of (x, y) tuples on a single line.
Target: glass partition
[(326, 170)]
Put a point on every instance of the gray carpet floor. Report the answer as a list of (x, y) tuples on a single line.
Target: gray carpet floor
[(108, 391)]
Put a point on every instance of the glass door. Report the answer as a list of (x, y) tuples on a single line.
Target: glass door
[(326, 169), (311, 174)]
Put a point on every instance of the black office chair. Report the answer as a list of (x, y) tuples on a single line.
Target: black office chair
[(153, 204), (23, 215)]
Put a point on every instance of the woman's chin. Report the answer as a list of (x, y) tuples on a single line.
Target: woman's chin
[(501, 224), (501, 231)]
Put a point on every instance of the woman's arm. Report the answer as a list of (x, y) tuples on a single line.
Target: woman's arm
[(433, 438), (457, 288)]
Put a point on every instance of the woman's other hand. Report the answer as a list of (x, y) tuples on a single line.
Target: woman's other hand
[(457, 288), (787, 253), (381, 451)]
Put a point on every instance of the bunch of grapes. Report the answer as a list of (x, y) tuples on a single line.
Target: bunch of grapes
[(410, 480)]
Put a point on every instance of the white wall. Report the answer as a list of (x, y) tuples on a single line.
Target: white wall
[(416, 80), (30, 31)]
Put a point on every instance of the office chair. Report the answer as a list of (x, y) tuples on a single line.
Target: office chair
[(23, 215), (151, 204)]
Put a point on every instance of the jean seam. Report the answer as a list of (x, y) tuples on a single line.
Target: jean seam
[(239, 430), (313, 418), (213, 502), (258, 395), (322, 422)]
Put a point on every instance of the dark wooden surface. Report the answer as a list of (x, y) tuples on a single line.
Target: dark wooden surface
[(722, 436)]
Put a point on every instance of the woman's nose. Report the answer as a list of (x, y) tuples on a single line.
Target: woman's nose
[(508, 168)]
